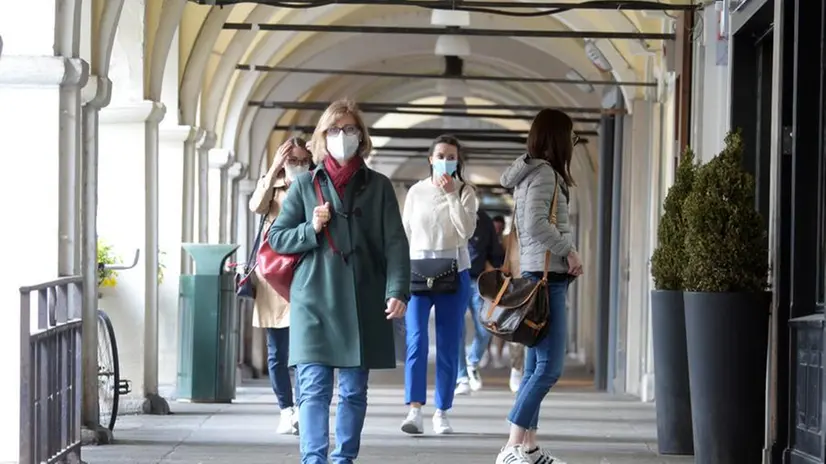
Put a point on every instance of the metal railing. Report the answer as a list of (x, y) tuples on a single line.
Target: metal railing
[(50, 371)]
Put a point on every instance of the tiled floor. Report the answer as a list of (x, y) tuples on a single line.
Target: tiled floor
[(581, 426)]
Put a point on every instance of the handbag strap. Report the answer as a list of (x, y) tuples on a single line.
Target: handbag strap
[(320, 197), (513, 237), (252, 260)]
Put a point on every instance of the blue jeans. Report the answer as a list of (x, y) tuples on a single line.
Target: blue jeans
[(481, 336), (278, 353), (450, 313), (544, 362), (316, 383)]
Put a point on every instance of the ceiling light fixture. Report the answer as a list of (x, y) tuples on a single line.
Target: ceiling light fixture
[(596, 56), (451, 45)]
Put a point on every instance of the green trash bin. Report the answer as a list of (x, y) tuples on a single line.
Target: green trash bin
[(208, 327)]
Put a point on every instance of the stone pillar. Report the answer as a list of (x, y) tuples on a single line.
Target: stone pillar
[(203, 186), (30, 127), (171, 230), (221, 159), (188, 198), (153, 402), (245, 226), (97, 95), (122, 223)]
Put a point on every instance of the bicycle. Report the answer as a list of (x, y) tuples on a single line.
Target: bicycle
[(109, 381)]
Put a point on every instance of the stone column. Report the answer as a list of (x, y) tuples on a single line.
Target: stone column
[(188, 198), (170, 209), (96, 96), (30, 127), (203, 186), (221, 159), (122, 223), (153, 403)]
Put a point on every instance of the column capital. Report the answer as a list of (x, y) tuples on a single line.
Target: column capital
[(246, 186), (195, 136), (236, 170), (133, 113), (97, 92), (170, 133), (220, 158), (209, 140), (42, 71), (157, 113)]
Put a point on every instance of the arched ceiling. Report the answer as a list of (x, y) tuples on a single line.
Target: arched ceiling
[(215, 96)]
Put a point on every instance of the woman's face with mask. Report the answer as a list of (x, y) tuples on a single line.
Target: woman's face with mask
[(343, 138), (444, 159), (298, 161)]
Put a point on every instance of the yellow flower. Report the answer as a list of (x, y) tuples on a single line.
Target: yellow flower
[(108, 282)]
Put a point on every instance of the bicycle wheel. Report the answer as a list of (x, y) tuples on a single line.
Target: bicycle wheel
[(108, 372)]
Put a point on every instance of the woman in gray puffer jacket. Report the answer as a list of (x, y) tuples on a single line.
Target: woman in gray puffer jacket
[(540, 179)]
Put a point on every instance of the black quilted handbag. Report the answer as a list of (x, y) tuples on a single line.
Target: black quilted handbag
[(436, 275)]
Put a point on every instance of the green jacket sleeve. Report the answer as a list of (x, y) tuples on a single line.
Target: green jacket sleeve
[(396, 248), (291, 232)]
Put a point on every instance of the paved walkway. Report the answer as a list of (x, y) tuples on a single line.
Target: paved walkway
[(581, 426)]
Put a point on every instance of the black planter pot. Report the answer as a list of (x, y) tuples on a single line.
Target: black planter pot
[(671, 384), (727, 337)]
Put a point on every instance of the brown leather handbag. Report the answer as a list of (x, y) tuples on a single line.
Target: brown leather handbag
[(517, 308)]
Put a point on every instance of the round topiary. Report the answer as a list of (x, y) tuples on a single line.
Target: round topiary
[(725, 242), (668, 259)]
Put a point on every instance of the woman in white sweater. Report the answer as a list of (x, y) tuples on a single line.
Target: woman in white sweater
[(439, 217)]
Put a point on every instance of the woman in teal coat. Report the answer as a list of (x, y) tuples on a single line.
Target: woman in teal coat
[(353, 278)]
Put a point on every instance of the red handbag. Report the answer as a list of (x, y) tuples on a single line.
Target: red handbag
[(278, 269)]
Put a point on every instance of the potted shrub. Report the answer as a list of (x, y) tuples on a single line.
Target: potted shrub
[(726, 310), (671, 387)]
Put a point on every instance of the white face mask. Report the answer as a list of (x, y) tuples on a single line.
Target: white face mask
[(291, 172), (342, 146)]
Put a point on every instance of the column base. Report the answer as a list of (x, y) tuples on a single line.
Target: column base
[(155, 405), (96, 436)]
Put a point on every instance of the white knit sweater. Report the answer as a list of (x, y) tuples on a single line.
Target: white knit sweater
[(439, 224)]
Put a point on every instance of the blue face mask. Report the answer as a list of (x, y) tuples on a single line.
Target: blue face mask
[(441, 166)]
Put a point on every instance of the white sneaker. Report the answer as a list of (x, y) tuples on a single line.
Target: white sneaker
[(512, 455), (462, 387), (441, 426), (474, 378), (540, 456), (412, 424), (515, 380), (285, 425)]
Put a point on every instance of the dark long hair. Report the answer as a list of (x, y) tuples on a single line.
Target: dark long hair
[(551, 139), (460, 160)]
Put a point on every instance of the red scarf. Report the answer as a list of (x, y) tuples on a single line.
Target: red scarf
[(341, 175)]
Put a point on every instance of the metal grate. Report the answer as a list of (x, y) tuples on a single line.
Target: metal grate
[(50, 371)]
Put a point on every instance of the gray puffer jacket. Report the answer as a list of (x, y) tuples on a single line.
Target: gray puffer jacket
[(534, 182)]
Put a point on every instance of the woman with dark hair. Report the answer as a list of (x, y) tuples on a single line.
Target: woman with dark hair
[(439, 217), (271, 311), (541, 180)]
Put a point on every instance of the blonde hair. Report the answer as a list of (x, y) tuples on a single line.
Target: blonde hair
[(337, 110)]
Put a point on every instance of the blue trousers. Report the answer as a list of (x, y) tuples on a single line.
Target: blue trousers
[(544, 362), (278, 353), (450, 313), (316, 383), (481, 337)]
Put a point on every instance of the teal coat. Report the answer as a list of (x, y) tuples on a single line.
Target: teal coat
[(337, 301)]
